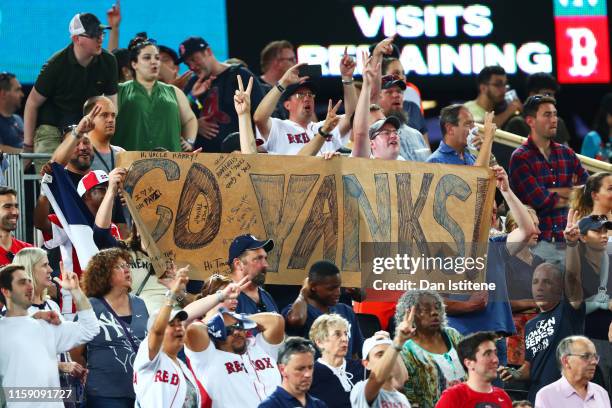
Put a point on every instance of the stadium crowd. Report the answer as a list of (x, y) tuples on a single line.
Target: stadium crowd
[(120, 334)]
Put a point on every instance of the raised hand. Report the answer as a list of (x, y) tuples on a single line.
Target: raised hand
[(69, 281), (406, 330), (242, 97), (113, 15), (292, 76), (502, 178), (116, 178), (232, 290), (332, 119), (571, 232), (87, 122), (489, 126), (179, 283), (385, 47), (202, 85), (370, 70), (347, 65)]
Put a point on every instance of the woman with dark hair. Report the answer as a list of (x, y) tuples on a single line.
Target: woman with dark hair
[(595, 197), (123, 320), (152, 114), (595, 142)]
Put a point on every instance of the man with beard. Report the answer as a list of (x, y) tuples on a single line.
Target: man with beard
[(578, 360), (543, 173), (478, 356), (296, 364), (11, 125), (492, 83), (9, 214), (320, 295), (248, 256), (413, 146), (235, 369)]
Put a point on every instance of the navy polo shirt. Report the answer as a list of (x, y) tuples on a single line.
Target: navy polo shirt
[(282, 399), (445, 154), (248, 305)]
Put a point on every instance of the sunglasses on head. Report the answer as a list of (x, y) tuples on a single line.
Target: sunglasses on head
[(230, 330), (599, 217)]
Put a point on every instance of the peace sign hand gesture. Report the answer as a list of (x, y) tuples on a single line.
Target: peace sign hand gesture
[(232, 290), (332, 119), (87, 122), (406, 329), (571, 232), (242, 97)]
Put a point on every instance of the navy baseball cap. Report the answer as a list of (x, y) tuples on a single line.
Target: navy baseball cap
[(389, 81), (191, 45), (247, 242), (593, 222), (216, 325), (291, 89)]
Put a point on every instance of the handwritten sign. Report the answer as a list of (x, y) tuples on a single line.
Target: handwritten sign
[(190, 208)]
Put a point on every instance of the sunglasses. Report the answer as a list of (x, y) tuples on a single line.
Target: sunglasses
[(599, 217), (230, 330)]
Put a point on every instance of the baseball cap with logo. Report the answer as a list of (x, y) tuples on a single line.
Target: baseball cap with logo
[(90, 180), (376, 126), (593, 222), (216, 325), (175, 313), (86, 24), (247, 242), (372, 342), (191, 45)]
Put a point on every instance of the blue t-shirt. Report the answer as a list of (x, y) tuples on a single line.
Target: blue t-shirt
[(282, 399), (497, 315), (11, 131), (542, 336), (327, 387), (447, 155), (110, 356), (248, 306), (354, 331)]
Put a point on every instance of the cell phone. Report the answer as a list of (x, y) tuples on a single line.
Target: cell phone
[(312, 71)]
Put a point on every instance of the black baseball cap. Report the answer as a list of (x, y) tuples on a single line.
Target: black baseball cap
[(291, 89), (170, 52), (191, 45), (245, 243), (389, 81), (87, 24)]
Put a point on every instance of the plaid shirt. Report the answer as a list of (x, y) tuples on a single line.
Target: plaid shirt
[(531, 175)]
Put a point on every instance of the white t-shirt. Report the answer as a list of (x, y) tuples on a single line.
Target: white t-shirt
[(287, 137), (385, 398), (29, 349), (160, 382), (238, 380)]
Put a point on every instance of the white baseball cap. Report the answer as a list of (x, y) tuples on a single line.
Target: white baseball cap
[(372, 342), (90, 180)]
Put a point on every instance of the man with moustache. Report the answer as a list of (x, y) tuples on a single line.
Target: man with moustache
[(9, 214), (577, 358), (543, 172), (478, 356), (296, 364), (70, 76), (413, 146), (235, 369), (248, 256)]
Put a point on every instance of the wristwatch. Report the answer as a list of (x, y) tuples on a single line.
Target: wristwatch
[(280, 88)]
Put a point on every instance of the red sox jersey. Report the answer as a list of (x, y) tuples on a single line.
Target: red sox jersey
[(287, 137), (237, 380), (161, 382)]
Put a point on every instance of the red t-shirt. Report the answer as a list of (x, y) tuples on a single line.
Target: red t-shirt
[(16, 246), (462, 396)]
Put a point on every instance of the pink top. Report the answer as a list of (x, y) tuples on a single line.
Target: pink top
[(562, 394)]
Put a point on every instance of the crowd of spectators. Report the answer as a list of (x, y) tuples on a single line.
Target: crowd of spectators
[(121, 333)]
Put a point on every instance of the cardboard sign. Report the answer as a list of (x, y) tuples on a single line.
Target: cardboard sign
[(189, 208)]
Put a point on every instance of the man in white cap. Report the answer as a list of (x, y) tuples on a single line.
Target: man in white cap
[(68, 78), (387, 370)]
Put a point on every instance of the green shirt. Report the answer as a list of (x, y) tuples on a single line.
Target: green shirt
[(67, 85), (145, 121)]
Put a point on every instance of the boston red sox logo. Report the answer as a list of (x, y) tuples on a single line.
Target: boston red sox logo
[(211, 109)]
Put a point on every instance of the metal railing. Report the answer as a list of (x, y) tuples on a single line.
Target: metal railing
[(27, 187)]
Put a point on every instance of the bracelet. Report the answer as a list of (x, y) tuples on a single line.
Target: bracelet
[(220, 297), (174, 297), (76, 134), (397, 348), (347, 81), (280, 87), (324, 133)]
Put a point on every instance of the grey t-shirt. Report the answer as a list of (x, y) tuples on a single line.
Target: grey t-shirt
[(385, 398), (110, 356), (105, 161), (412, 144)]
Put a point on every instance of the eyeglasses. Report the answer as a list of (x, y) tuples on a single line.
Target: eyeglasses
[(387, 133), (230, 330), (123, 266), (587, 356), (304, 95)]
